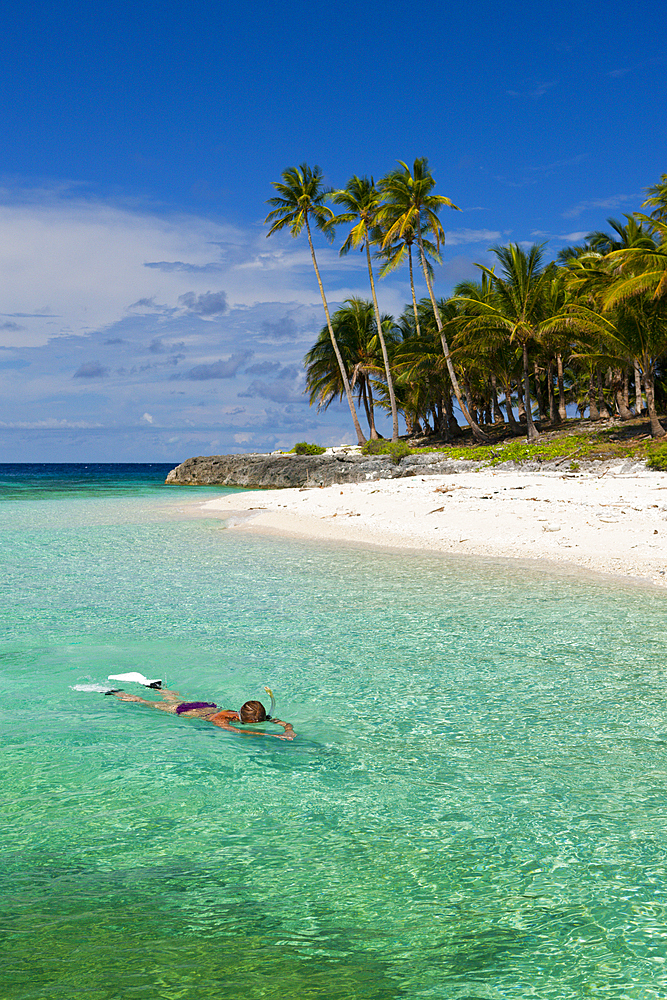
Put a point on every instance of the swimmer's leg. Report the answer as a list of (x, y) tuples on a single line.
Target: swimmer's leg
[(169, 695), (169, 706)]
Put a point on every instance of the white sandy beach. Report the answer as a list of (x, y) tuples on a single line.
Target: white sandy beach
[(610, 522)]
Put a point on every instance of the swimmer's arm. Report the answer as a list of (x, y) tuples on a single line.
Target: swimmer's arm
[(223, 719), (289, 733)]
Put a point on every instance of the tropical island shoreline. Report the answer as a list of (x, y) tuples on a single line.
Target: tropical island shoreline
[(610, 519)]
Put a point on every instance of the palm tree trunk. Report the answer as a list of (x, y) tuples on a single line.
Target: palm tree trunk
[(553, 412), (657, 430), (519, 401), (497, 412), (412, 289), (626, 389), (444, 419), (539, 395), (514, 427), (364, 398), (602, 403), (385, 356), (639, 401), (452, 423), (593, 411), (371, 406), (532, 434), (621, 380), (348, 393), (562, 409), (477, 433)]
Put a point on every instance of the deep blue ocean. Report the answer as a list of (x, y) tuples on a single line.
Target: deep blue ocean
[(475, 806)]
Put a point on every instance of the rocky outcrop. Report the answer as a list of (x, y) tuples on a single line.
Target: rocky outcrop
[(271, 471)]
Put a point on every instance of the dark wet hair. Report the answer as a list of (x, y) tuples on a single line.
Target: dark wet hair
[(253, 711)]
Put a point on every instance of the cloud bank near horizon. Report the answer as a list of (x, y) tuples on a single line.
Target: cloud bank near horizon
[(129, 335)]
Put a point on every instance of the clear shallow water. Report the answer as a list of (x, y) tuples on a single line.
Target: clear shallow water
[(475, 806)]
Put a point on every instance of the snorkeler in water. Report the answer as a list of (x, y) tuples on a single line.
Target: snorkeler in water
[(251, 711)]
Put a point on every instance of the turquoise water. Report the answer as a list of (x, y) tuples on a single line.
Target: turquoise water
[(475, 806)]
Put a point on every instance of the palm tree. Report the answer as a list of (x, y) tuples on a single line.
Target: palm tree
[(421, 365), (517, 308), (617, 319), (657, 199), (300, 196), (359, 344), (642, 269), (411, 207), (485, 342), (634, 234), (362, 201)]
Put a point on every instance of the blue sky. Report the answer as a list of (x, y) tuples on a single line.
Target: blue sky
[(143, 314)]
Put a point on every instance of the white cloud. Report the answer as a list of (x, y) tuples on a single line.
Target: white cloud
[(455, 237), (72, 267), (615, 201), (127, 335), (51, 423)]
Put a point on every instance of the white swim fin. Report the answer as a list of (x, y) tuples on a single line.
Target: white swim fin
[(136, 678)]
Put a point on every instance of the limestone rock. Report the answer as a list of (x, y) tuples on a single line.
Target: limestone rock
[(271, 471)]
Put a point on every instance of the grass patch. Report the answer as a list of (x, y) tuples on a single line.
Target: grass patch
[(303, 448), (601, 445), (396, 450)]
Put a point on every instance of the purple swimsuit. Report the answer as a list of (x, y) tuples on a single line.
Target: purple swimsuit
[(187, 706)]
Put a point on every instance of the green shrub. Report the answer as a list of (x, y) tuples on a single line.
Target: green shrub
[(395, 449), (303, 448), (657, 459)]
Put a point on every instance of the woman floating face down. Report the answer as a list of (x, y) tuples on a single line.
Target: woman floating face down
[(251, 711)]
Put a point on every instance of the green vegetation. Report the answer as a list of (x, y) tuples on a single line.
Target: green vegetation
[(518, 351), (658, 459), (395, 449), (567, 448), (303, 448)]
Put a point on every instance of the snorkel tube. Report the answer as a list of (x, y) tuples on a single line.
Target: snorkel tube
[(273, 703)]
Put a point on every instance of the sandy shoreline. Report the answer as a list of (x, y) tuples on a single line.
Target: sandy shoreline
[(613, 523)]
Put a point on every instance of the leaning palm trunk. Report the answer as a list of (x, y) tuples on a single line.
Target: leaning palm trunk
[(477, 432), (412, 290), (346, 382), (385, 356), (531, 429)]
